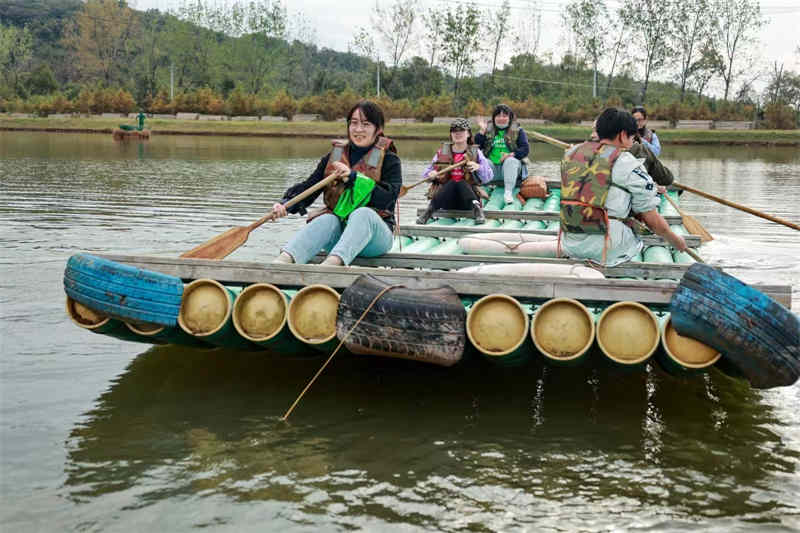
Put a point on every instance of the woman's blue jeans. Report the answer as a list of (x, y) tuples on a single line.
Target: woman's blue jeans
[(365, 234)]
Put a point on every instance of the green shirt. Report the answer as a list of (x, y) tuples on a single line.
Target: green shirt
[(499, 147)]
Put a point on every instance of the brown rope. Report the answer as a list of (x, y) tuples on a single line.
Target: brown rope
[(341, 342)]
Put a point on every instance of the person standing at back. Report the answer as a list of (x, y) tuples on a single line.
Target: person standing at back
[(647, 136), (602, 184), (505, 144)]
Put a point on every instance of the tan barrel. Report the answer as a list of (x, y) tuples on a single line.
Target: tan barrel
[(312, 314), (145, 329), (563, 330), (205, 308), (497, 326), (628, 333), (85, 317), (260, 312), (686, 352)]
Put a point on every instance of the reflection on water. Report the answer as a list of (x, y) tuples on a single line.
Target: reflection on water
[(185, 438), (471, 446)]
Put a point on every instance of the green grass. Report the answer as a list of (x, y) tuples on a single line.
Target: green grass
[(425, 131)]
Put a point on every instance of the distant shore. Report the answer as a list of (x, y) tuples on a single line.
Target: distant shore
[(417, 131)]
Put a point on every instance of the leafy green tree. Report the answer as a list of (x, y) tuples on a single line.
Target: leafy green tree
[(461, 43), (648, 22), (736, 23), (497, 30), (585, 18), (395, 25), (16, 51), (691, 27)]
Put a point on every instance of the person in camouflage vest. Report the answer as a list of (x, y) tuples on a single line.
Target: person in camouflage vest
[(657, 170), (602, 184)]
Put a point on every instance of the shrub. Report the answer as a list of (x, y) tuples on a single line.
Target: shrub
[(779, 117), (283, 105)]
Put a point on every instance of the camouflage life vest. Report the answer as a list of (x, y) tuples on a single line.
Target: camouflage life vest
[(369, 165), (511, 134), (585, 181)]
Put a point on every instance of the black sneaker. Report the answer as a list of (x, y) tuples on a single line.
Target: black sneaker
[(477, 213), (424, 217)]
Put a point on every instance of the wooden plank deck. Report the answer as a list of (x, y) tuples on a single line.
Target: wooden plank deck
[(518, 215), (524, 288), (454, 232)]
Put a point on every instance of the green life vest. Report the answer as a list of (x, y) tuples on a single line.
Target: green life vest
[(354, 197), (510, 135)]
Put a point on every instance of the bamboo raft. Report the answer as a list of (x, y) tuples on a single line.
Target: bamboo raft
[(621, 313)]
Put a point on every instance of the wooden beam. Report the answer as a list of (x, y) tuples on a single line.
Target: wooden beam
[(454, 232), (525, 288), (518, 215)]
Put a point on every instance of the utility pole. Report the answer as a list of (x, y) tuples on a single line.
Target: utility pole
[(171, 81), (594, 82), (379, 76)]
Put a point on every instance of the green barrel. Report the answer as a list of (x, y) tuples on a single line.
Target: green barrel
[(207, 313), (421, 245), (657, 254), (312, 317), (533, 204), (682, 257), (448, 246), (535, 224), (497, 326), (512, 224), (400, 242), (552, 225), (260, 315), (443, 221), (667, 209), (96, 322), (465, 222), (628, 334), (495, 201), (515, 205), (683, 356), (563, 330)]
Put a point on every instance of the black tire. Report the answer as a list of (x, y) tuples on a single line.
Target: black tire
[(422, 325), (756, 335), (123, 292)]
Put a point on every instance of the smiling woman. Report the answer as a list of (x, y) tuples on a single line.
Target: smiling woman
[(358, 217)]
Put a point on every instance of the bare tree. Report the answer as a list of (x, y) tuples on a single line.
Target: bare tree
[(649, 23), (433, 40), (461, 41), (619, 53), (395, 26), (584, 17), (691, 26), (528, 31), (497, 30), (735, 24)]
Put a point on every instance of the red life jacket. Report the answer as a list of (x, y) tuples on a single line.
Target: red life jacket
[(445, 157)]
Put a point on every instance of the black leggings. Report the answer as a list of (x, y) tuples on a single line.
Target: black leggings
[(454, 195)]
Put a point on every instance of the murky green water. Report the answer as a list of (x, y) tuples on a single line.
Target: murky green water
[(103, 435)]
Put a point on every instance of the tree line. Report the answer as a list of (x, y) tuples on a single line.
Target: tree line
[(257, 55)]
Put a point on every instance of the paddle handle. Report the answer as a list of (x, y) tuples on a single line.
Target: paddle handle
[(736, 206), (306, 193), (442, 172), (549, 140), (694, 255), (674, 204)]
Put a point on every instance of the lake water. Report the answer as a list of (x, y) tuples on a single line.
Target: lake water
[(98, 434)]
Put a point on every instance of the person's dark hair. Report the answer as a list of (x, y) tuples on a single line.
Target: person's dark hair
[(639, 109), (612, 121), (372, 112), (505, 109)]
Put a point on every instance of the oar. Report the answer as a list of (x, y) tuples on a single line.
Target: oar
[(691, 224), (226, 243), (736, 206), (405, 188)]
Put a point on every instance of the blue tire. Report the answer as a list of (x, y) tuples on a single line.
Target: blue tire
[(758, 337), (123, 292)]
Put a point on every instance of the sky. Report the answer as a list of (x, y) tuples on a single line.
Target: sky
[(334, 23)]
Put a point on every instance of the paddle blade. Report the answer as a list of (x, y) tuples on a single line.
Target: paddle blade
[(220, 246), (694, 227)]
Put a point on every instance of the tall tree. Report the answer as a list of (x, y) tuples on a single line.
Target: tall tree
[(736, 23), (497, 30), (691, 26), (584, 18), (461, 43), (434, 22), (707, 66), (527, 33), (16, 51), (619, 52), (104, 37), (649, 24), (395, 25)]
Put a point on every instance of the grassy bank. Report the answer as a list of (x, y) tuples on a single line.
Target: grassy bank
[(422, 131)]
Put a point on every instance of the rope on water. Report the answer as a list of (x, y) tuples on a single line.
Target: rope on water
[(341, 342)]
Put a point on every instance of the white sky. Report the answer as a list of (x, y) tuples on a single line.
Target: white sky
[(335, 21)]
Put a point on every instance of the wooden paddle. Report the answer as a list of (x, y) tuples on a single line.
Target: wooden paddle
[(736, 206), (226, 243), (691, 224), (405, 188)]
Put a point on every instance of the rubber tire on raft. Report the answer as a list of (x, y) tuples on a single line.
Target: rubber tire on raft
[(426, 325), (755, 334), (122, 291)]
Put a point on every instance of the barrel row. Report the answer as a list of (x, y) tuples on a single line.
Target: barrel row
[(501, 330)]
